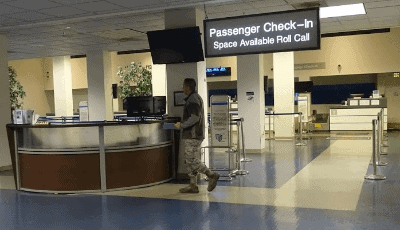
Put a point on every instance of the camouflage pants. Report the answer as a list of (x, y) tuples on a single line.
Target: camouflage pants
[(193, 163)]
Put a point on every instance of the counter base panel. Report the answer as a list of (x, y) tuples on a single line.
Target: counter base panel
[(137, 168), (60, 172)]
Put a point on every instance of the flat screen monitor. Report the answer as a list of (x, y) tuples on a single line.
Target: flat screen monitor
[(139, 106), (145, 106), (303, 86), (176, 45), (159, 105)]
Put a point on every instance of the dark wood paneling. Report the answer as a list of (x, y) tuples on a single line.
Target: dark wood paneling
[(60, 172), (134, 168), (11, 144)]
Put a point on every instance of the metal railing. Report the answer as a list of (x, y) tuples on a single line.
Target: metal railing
[(300, 129), (239, 151)]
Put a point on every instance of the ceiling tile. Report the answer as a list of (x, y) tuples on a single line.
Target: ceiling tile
[(228, 8), (298, 1), (5, 9), (262, 4), (33, 5), (353, 17), (63, 11), (138, 4), (383, 12), (330, 24), (276, 8), (328, 20), (97, 6), (374, 1), (342, 2), (9, 21), (31, 16), (72, 2), (382, 4), (332, 29), (379, 19), (387, 23)]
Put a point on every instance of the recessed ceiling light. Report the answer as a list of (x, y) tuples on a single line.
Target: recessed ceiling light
[(343, 10)]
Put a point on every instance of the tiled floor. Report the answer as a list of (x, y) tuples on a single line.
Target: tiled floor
[(318, 186)]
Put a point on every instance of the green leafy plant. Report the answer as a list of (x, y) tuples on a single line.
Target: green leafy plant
[(17, 92), (135, 73)]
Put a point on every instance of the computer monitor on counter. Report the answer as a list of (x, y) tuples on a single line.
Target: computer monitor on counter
[(146, 106)]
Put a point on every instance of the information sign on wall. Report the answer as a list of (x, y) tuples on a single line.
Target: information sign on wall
[(263, 33)]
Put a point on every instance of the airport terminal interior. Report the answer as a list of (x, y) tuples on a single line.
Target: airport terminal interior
[(308, 158), (317, 186)]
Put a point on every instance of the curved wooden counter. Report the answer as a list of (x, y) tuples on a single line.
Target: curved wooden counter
[(71, 158)]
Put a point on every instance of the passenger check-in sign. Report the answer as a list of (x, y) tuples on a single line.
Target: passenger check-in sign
[(263, 33)]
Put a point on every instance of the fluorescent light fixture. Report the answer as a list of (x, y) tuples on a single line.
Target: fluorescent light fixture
[(343, 10)]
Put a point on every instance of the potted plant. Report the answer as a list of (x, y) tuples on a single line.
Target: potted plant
[(137, 74), (17, 92)]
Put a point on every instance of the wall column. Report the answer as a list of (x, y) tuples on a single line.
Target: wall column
[(283, 68), (99, 85), (250, 79), (62, 81), (5, 114), (176, 73), (158, 79)]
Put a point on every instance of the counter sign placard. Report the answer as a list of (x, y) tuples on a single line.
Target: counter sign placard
[(263, 33)]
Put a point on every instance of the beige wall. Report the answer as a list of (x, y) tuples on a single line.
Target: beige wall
[(79, 73), (357, 54), (30, 75), (48, 73)]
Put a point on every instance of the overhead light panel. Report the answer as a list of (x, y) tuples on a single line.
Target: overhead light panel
[(343, 10)]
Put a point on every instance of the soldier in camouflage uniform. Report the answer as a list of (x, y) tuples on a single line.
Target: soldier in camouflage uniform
[(192, 127)]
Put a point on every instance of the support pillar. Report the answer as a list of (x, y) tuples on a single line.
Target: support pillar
[(5, 114), (251, 100), (99, 85), (176, 73), (283, 68), (62, 81)]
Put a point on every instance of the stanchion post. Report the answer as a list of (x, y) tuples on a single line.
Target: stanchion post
[(301, 131), (383, 127), (374, 176), (378, 153), (239, 147), (269, 126), (244, 159), (273, 121), (240, 171)]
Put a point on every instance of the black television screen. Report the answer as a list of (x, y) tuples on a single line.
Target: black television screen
[(303, 86), (159, 105), (139, 106), (176, 45), (145, 106)]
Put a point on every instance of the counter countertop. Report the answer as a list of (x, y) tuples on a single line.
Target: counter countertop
[(358, 107), (91, 124)]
